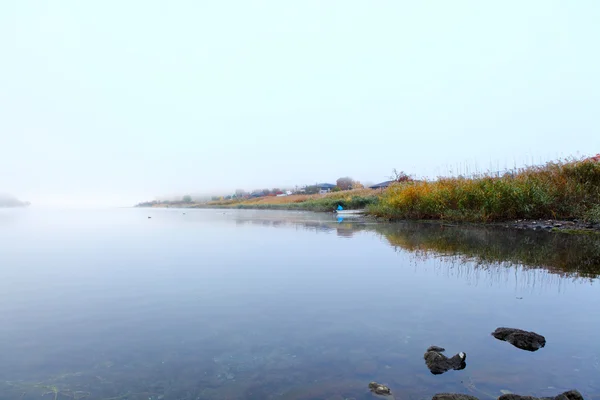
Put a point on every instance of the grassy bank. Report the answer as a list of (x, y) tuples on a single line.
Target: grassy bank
[(557, 190), (351, 199)]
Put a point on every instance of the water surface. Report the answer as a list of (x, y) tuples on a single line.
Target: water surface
[(212, 304)]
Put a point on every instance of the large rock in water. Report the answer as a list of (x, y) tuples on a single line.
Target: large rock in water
[(453, 396), (570, 395), (439, 363), (524, 340)]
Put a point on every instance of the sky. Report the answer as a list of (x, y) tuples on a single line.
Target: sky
[(116, 102)]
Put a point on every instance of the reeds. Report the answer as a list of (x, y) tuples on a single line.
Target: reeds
[(559, 190)]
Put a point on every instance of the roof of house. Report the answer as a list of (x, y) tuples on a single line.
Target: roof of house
[(325, 185), (382, 185)]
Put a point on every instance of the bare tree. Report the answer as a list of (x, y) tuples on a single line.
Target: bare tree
[(344, 183), (400, 176)]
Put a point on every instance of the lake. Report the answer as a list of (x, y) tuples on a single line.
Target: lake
[(240, 304)]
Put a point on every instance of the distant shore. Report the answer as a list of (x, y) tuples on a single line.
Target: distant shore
[(348, 199), (14, 204)]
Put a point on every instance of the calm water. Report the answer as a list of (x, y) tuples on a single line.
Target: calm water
[(109, 304)]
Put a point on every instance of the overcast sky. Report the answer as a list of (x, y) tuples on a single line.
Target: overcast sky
[(113, 102)]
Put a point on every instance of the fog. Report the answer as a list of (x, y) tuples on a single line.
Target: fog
[(112, 103)]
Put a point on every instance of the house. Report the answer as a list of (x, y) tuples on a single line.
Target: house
[(325, 187), (382, 185)]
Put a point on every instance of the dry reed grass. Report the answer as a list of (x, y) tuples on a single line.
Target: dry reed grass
[(569, 189)]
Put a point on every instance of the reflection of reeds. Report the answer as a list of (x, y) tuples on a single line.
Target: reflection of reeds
[(488, 247), (572, 255), (568, 255)]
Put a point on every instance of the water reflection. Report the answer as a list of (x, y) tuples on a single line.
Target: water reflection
[(576, 256), (277, 305)]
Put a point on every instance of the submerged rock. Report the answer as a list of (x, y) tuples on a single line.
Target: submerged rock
[(570, 395), (453, 396), (524, 340), (439, 363), (378, 388)]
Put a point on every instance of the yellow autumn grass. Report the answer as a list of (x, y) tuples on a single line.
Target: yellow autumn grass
[(569, 189)]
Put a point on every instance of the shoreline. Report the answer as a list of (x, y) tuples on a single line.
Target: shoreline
[(562, 196), (565, 226)]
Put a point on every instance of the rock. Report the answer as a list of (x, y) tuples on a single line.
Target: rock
[(439, 363), (436, 348), (524, 340), (378, 388), (512, 396), (570, 395), (453, 396)]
